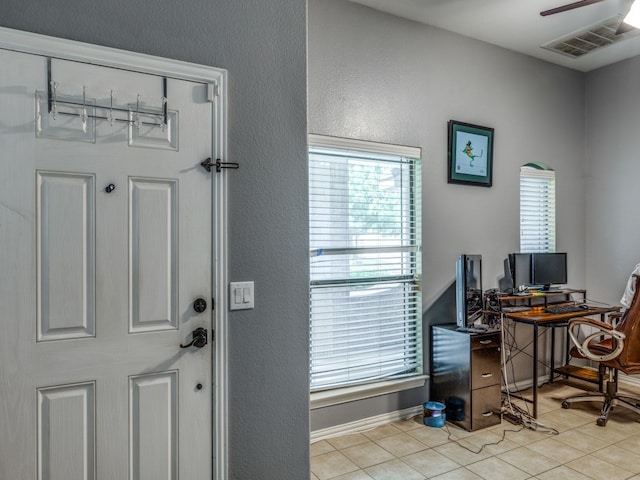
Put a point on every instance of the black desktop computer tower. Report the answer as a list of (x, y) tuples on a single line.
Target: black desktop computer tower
[(469, 297), (520, 269)]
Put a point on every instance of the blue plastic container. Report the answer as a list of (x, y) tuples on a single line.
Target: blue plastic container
[(434, 415)]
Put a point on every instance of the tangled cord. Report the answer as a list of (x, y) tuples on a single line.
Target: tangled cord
[(457, 442), (511, 411)]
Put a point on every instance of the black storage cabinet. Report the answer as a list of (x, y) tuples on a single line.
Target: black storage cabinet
[(465, 376)]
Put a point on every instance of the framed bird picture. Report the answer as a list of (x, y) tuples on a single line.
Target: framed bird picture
[(470, 154)]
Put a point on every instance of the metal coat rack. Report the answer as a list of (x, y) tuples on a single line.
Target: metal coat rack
[(53, 102)]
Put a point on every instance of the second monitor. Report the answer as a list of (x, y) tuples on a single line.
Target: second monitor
[(540, 270)]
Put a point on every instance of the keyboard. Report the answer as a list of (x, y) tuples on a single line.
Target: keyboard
[(563, 309)]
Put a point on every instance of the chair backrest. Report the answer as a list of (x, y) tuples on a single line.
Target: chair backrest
[(629, 359)]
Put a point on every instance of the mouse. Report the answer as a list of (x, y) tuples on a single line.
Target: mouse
[(584, 306)]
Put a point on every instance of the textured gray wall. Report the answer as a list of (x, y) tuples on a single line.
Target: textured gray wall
[(611, 177), (378, 77), (263, 47)]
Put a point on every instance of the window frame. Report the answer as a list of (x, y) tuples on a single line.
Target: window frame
[(344, 393)]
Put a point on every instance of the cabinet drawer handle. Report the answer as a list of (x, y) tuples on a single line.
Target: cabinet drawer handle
[(485, 342), (487, 414), (487, 375)]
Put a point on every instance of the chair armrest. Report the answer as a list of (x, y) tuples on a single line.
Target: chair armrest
[(591, 322), (614, 318), (594, 350)]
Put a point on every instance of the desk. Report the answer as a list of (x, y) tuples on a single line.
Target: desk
[(539, 318)]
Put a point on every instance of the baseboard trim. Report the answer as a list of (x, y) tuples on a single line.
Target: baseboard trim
[(365, 424)]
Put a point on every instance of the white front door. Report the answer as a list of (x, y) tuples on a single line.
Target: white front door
[(105, 253)]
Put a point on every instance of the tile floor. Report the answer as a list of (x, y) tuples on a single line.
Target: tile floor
[(567, 445)]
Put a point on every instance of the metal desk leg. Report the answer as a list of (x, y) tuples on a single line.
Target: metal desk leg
[(535, 370), (553, 353)]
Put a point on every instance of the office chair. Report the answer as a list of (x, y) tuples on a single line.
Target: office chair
[(616, 347)]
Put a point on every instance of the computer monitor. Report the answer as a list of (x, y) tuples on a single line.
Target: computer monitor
[(548, 269), (520, 267), (468, 290)]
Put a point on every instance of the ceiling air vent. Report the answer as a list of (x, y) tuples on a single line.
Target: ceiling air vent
[(592, 38)]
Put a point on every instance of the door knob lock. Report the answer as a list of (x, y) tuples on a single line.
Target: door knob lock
[(198, 338), (200, 305)]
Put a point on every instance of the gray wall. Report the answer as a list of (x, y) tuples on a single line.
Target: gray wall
[(263, 46), (611, 177), (378, 77)]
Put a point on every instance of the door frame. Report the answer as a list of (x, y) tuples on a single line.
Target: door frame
[(216, 79)]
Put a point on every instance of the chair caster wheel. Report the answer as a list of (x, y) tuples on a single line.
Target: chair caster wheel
[(565, 404), (601, 422)]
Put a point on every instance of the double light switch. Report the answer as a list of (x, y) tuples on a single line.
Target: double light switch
[(240, 295)]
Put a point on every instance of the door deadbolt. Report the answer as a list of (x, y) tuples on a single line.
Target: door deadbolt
[(198, 338), (200, 305)]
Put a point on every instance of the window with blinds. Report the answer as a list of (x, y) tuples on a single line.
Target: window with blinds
[(365, 225), (537, 209)]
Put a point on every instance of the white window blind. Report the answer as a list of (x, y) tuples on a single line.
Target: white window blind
[(365, 301), (537, 210)]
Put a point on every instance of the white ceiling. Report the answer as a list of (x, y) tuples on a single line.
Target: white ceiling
[(517, 25)]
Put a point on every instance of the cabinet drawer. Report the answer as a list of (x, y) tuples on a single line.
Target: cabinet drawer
[(485, 407), (485, 367), (487, 340)]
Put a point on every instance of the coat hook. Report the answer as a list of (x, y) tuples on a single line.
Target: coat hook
[(137, 120), (163, 124), (83, 113), (111, 108), (54, 106)]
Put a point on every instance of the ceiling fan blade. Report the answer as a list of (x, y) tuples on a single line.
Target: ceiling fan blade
[(570, 6)]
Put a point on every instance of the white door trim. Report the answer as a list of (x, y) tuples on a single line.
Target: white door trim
[(26, 42)]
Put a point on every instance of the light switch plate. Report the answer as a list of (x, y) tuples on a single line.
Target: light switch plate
[(241, 295)]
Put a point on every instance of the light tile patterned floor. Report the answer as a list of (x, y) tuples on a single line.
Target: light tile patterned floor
[(568, 445)]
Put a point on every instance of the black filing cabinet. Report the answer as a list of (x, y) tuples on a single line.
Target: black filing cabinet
[(465, 376)]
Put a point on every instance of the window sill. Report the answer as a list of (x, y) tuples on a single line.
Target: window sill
[(360, 392)]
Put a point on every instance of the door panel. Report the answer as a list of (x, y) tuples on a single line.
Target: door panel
[(65, 239), (153, 253), (66, 434), (105, 246), (153, 422)]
